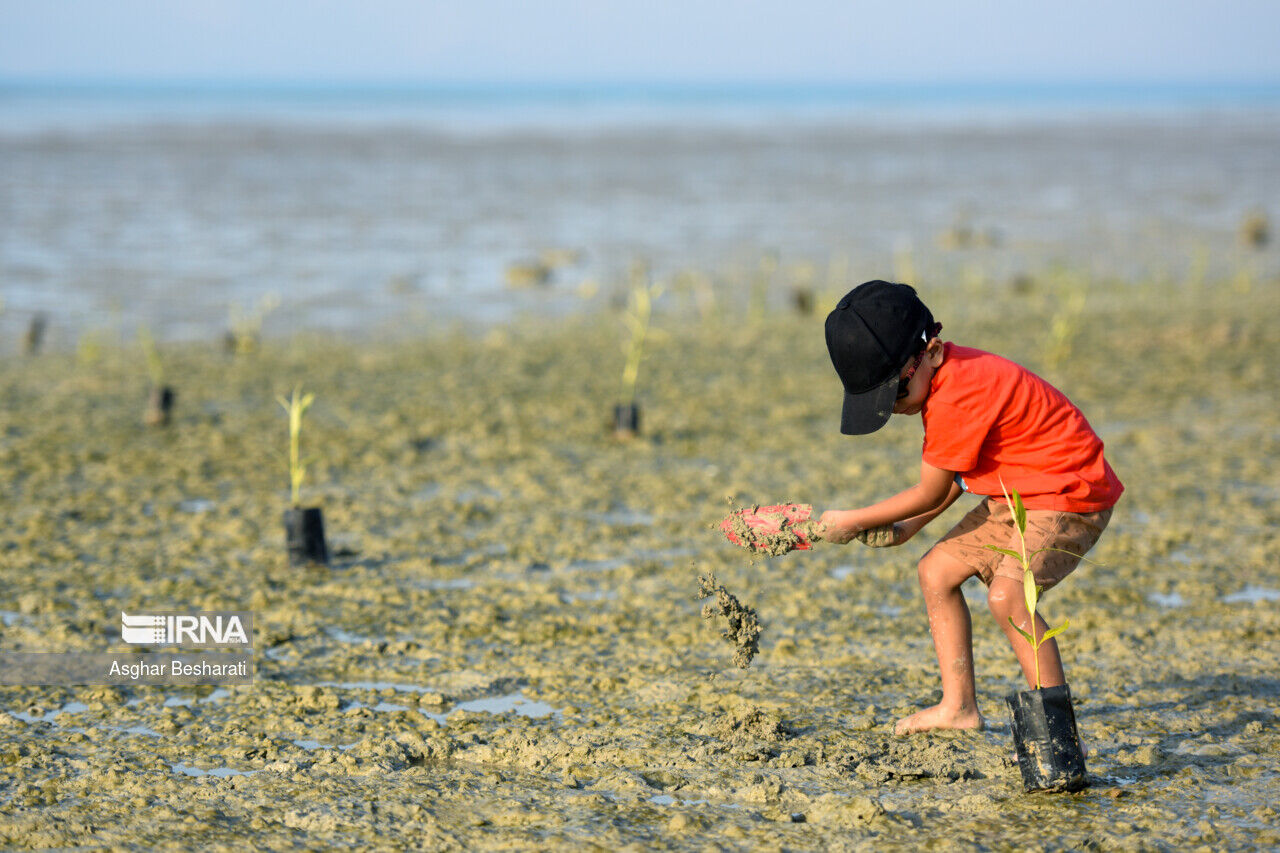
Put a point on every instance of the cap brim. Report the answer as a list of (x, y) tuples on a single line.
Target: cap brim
[(868, 411)]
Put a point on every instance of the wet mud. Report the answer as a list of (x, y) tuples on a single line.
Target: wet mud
[(505, 653), (743, 629)]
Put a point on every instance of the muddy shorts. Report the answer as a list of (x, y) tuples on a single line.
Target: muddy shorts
[(991, 523)]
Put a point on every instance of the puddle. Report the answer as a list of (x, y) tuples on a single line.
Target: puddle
[(446, 583), (376, 685), (499, 705), (622, 517), (51, 716), (596, 565), (426, 493), (219, 772), (595, 595), (196, 505), (1171, 599), (1252, 595), (669, 800), (312, 745), (9, 617), (667, 555), (841, 572), (344, 636)]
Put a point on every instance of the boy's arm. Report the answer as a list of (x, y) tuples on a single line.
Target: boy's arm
[(936, 491), (911, 526)]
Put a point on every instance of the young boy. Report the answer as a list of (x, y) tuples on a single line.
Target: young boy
[(987, 421)]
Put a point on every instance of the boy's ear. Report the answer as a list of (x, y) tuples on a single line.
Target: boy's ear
[(934, 351)]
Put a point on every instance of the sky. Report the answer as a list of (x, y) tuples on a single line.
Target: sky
[(694, 41)]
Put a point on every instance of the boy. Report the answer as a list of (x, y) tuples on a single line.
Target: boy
[(987, 421)]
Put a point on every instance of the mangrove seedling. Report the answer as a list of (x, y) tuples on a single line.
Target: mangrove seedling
[(34, 337), (295, 407), (1030, 592), (304, 528), (1065, 327), (1050, 757), (245, 326), (637, 317), (160, 401)]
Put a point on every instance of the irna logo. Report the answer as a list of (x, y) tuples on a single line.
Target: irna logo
[(190, 630)]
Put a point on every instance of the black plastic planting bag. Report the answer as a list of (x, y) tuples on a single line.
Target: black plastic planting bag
[(626, 418), (1044, 732), (304, 536)]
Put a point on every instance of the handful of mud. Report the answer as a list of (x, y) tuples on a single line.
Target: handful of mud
[(744, 627), (772, 530)]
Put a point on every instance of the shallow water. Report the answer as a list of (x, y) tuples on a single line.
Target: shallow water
[(516, 658), (401, 229)]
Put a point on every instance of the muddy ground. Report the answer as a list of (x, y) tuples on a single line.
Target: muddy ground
[(507, 651)]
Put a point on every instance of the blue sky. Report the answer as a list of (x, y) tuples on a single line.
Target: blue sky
[(641, 40)]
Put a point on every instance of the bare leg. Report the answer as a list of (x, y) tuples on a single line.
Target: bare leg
[(940, 579)]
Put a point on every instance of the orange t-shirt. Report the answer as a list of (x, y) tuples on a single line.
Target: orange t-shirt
[(989, 419)]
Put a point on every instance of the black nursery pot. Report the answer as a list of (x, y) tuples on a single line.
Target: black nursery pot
[(1044, 732), (626, 419), (160, 406), (304, 536)]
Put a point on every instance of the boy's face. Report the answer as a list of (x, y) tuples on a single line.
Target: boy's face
[(920, 376)]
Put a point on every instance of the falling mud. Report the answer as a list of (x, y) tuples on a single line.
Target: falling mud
[(744, 628), (504, 652)]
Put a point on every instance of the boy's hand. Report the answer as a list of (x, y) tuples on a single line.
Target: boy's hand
[(836, 528), (840, 528), (884, 536)]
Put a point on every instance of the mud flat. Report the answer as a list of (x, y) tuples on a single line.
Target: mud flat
[(505, 652)]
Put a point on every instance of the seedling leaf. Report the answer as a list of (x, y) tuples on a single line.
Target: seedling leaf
[(1053, 632), (1029, 591), (1019, 513), (1024, 634), (1008, 552)]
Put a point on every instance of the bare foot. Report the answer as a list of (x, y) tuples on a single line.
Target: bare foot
[(939, 717)]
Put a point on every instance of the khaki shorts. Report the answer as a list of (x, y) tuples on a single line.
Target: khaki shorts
[(991, 523)]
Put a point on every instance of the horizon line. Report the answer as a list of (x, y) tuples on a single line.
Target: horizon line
[(638, 84)]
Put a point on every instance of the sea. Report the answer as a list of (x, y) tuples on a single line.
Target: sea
[(367, 209)]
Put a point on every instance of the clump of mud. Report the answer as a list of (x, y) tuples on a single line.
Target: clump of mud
[(772, 530), (744, 627), (750, 724)]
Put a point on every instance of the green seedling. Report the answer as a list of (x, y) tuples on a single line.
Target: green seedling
[(246, 325), (637, 317), (904, 266), (1065, 327), (1031, 592), (761, 283), (154, 365), (89, 349), (295, 407)]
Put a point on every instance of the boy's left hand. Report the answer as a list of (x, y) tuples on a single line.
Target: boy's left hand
[(884, 536), (837, 528)]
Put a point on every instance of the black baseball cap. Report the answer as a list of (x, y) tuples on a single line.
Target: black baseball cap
[(873, 331)]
